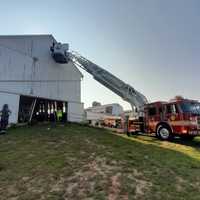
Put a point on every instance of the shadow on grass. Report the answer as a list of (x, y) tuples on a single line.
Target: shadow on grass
[(177, 145), (195, 143)]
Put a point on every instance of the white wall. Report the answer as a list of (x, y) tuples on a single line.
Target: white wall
[(27, 68), (75, 112), (94, 116), (13, 104), (116, 109)]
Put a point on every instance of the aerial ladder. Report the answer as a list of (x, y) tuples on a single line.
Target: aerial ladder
[(61, 54)]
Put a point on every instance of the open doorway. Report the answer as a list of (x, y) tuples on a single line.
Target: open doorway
[(41, 109)]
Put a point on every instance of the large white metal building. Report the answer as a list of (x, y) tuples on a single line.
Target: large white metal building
[(113, 109), (98, 113), (29, 77)]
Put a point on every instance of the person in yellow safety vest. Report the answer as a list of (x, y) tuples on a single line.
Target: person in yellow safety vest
[(59, 115)]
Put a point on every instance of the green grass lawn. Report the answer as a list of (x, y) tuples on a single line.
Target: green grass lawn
[(78, 162)]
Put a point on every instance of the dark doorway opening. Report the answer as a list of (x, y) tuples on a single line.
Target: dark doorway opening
[(41, 110)]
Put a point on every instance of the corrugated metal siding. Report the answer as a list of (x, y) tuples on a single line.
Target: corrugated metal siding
[(27, 68), (75, 112)]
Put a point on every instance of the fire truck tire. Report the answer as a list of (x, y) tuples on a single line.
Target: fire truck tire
[(163, 132)]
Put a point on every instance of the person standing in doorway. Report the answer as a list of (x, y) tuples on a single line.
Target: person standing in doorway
[(59, 115), (53, 118), (4, 113)]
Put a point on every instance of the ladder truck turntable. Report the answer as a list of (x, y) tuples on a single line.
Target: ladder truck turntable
[(166, 119)]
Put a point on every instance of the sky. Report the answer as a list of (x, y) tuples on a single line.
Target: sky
[(153, 45)]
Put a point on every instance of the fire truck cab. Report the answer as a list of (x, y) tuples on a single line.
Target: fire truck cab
[(179, 117)]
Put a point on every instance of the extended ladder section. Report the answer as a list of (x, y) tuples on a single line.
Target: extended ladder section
[(125, 91)]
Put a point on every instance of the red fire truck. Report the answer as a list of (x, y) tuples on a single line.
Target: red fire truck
[(179, 117)]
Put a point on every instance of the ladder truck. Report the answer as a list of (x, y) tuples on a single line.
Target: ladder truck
[(166, 119)]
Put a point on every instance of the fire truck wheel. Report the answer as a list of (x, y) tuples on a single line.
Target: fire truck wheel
[(163, 132)]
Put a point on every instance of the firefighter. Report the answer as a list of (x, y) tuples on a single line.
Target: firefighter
[(53, 117), (5, 113), (59, 115)]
